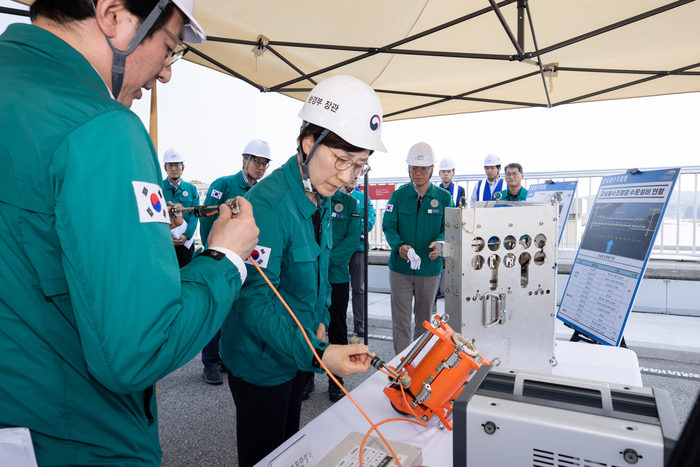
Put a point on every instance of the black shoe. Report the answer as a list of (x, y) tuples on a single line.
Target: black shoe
[(212, 375), (222, 368), (309, 386), (334, 392), (359, 330)]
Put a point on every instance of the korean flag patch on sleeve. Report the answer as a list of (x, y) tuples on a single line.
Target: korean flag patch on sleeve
[(389, 207), (216, 194), (150, 202), (261, 255)]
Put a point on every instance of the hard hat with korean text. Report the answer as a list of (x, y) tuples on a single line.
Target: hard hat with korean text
[(349, 108)]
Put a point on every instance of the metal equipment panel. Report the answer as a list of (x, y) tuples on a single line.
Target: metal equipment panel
[(501, 280), (545, 420)]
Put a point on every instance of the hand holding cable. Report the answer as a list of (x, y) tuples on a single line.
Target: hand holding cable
[(236, 232), (177, 210), (359, 357)]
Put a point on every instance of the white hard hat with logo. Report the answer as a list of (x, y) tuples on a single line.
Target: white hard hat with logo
[(492, 160), (258, 148), (447, 164), (173, 155), (420, 155), (193, 32), (349, 108)]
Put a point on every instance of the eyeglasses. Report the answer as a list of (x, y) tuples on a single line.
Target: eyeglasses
[(512, 174), (178, 53), (259, 162), (419, 169), (344, 163)]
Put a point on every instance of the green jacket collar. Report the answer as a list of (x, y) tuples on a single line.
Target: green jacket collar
[(304, 204), (240, 178), (432, 189), (52, 45)]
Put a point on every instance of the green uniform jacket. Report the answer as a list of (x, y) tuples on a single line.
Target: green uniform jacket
[(505, 196), (220, 191), (347, 229), (404, 223), (360, 197), (187, 195), (93, 307), (260, 343)]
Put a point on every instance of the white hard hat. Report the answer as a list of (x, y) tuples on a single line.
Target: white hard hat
[(349, 108), (258, 148), (492, 160), (173, 155), (420, 155), (193, 32), (447, 164)]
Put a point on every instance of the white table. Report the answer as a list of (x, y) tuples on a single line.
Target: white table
[(577, 360)]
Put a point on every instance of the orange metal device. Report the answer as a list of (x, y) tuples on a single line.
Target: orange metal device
[(434, 383)]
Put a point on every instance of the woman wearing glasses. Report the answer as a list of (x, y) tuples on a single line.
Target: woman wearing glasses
[(414, 220), (262, 347)]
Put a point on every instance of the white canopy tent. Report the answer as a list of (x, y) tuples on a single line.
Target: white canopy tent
[(442, 57)]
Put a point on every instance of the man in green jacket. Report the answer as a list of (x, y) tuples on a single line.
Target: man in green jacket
[(94, 308), (256, 160), (514, 178), (413, 221), (178, 191)]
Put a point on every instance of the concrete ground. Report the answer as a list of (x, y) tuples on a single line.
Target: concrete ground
[(197, 420)]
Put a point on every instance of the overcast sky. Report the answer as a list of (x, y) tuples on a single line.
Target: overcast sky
[(210, 117)]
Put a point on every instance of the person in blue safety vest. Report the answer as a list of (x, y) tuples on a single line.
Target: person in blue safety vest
[(514, 178), (264, 350), (447, 172), (413, 222), (485, 189), (178, 191), (256, 160), (459, 196)]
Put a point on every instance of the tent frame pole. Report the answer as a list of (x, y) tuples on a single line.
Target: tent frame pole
[(506, 28)]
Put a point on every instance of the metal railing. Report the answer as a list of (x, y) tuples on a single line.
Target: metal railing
[(678, 236)]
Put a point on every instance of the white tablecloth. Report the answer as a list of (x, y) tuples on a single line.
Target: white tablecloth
[(577, 360)]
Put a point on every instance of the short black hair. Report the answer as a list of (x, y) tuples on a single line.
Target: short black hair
[(67, 11), (514, 165), (331, 139)]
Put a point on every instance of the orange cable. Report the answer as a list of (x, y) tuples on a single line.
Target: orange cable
[(375, 428), (330, 374), (418, 420), (403, 393)]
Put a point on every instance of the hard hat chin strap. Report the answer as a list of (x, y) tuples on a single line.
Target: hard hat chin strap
[(305, 162), (119, 56)]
